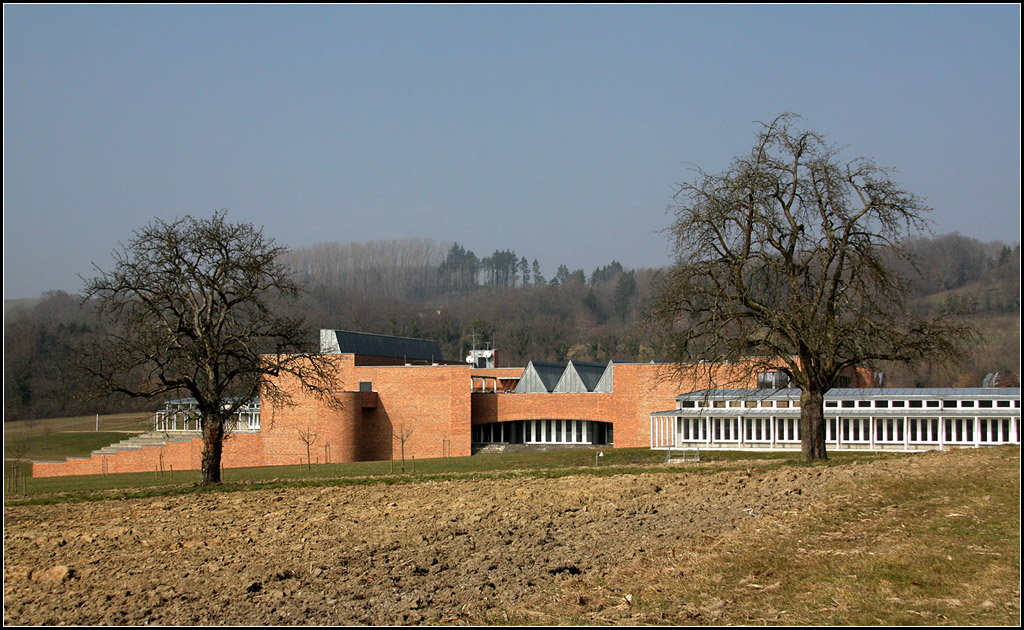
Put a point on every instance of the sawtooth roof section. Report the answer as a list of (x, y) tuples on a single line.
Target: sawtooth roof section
[(580, 377), (540, 377), (605, 385), (384, 346)]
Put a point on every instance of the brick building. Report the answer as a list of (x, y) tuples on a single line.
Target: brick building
[(397, 393)]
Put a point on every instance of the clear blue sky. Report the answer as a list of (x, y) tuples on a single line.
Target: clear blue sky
[(556, 131)]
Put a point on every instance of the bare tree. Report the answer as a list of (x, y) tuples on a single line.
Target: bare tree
[(307, 437), (785, 262), (403, 432), (199, 306)]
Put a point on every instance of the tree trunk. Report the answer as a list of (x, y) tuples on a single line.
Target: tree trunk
[(812, 425), (213, 447)]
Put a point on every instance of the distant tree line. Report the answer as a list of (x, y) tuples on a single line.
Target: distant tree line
[(443, 291), (420, 269)]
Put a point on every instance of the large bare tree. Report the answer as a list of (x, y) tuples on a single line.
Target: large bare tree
[(785, 262), (200, 306)]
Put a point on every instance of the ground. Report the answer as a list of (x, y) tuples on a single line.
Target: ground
[(526, 550)]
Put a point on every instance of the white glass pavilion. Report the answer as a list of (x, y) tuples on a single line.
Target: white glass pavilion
[(865, 419)]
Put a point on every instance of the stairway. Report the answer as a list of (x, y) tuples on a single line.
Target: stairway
[(152, 438)]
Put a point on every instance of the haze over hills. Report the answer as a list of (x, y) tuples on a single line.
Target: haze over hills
[(445, 292)]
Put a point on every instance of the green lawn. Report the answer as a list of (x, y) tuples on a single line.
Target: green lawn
[(546, 464)]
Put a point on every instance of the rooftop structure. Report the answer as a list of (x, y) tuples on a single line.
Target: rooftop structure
[(407, 349)]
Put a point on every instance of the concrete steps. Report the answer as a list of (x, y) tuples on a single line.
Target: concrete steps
[(152, 438)]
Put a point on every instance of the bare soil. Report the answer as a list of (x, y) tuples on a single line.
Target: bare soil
[(473, 551)]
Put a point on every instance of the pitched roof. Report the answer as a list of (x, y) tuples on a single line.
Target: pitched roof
[(580, 377), (540, 377), (348, 342)]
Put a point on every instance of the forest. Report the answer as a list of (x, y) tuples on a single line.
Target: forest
[(445, 292)]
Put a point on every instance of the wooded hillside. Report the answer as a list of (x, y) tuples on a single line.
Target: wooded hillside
[(442, 291)]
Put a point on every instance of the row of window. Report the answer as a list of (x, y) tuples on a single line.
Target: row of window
[(922, 404), (852, 430), (859, 404), (543, 432)]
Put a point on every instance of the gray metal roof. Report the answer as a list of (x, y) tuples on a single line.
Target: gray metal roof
[(540, 377), (860, 393), (548, 373), (387, 346), (590, 373)]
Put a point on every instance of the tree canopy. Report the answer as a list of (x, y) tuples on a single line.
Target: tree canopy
[(199, 307), (786, 262)]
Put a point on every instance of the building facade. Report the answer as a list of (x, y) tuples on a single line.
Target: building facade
[(393, 395)]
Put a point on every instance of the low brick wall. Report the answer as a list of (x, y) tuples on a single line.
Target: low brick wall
[(241, 450)]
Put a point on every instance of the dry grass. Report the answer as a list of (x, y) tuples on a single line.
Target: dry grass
[(130, 422), (940, 547)]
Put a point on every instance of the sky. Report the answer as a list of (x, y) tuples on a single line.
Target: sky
[(557, 131)]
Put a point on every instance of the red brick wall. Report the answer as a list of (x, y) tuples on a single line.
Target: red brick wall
[(240, 450), (428, 404), (506, 407)]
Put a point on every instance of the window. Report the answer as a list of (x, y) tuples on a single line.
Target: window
[(772, 380)]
